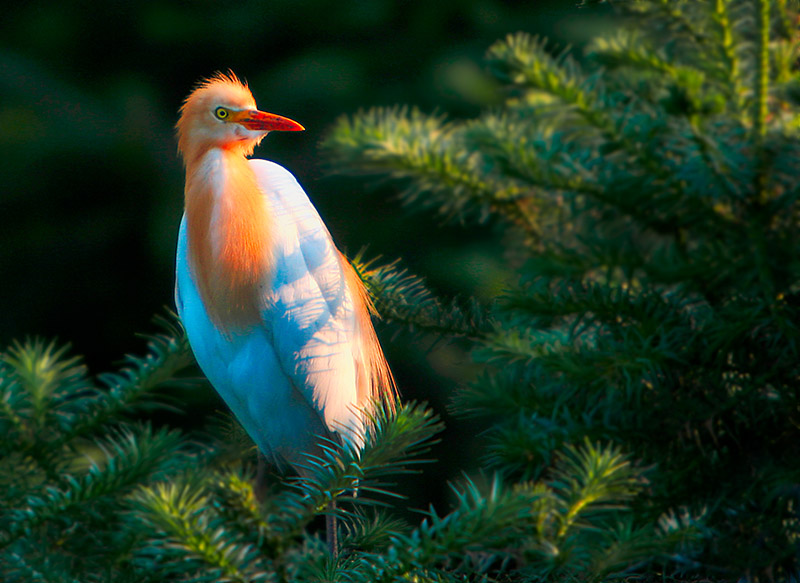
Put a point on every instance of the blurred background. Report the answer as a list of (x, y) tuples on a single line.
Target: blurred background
[(92, 184)]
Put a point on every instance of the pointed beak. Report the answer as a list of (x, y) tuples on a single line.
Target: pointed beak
[(267, 122)]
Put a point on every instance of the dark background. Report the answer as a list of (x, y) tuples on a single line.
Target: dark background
[(92, 184)]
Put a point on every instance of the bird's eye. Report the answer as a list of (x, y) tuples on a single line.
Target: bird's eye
[(221, 113)]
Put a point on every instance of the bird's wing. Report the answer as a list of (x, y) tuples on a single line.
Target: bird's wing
[(309, 308)]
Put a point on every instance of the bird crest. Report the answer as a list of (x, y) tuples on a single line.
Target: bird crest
[(219, 89)]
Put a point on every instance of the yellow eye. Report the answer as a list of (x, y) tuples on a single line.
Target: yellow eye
[(221, 113)]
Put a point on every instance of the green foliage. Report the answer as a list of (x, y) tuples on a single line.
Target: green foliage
[(654, 184), (116, 500), (639, 389), (403, 298), (72, 451)]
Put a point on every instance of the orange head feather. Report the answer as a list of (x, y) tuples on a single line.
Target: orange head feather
[(227, 221), (196, 126)]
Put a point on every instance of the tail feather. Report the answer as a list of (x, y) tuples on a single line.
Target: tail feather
[(376, 383)]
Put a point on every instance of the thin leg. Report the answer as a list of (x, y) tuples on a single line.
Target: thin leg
[(330, 530), (261, 477)]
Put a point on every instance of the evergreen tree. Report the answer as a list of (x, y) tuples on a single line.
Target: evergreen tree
[(640, 379), (91, 495), (653, 187)]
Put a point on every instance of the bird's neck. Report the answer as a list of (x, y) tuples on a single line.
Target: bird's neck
[(229, 237)]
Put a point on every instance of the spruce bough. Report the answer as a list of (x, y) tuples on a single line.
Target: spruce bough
[(639, 391), (99, 496), (653, 184)]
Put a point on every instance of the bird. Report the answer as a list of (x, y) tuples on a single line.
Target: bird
[(277, 318)]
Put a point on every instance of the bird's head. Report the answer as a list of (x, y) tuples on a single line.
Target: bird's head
[(221, 113)]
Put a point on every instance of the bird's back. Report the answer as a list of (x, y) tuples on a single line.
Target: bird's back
[(309, 367)]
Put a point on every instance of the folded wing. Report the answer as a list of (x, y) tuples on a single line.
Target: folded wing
[(309, 308)]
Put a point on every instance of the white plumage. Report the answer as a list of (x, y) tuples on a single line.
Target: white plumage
[(276, 317), (299, 368)]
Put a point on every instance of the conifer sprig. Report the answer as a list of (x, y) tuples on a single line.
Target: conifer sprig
[(128, 458), (191, 539), (403, 298), (424, 152), (168, 354), (557, 527), (655, 184), (392, 447), (215, 528), (70, 454), (41, 389)]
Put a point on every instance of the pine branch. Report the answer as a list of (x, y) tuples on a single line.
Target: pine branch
[(588, 481), (132, 387), (234, 499), (733, 66), (130, 456), (553, 527), (47, 401), (587, 304), (658, 306), (523, 60), (481, 523), (31, 566), (394, 446), (762, 71), (203, 527), (40, 391), (403, 298), (425, 153), (371, 531), (191, 539)]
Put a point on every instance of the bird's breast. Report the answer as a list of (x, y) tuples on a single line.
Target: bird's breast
[(230, 243)]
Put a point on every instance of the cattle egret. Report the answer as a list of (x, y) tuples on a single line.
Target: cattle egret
[(277, 318)]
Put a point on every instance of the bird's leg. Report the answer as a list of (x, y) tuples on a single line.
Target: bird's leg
[(330, 530), (261, 477)]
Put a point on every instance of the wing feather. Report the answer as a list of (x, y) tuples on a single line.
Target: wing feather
[(309, 307)]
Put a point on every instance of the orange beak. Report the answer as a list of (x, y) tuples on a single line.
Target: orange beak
[(267, 122)]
